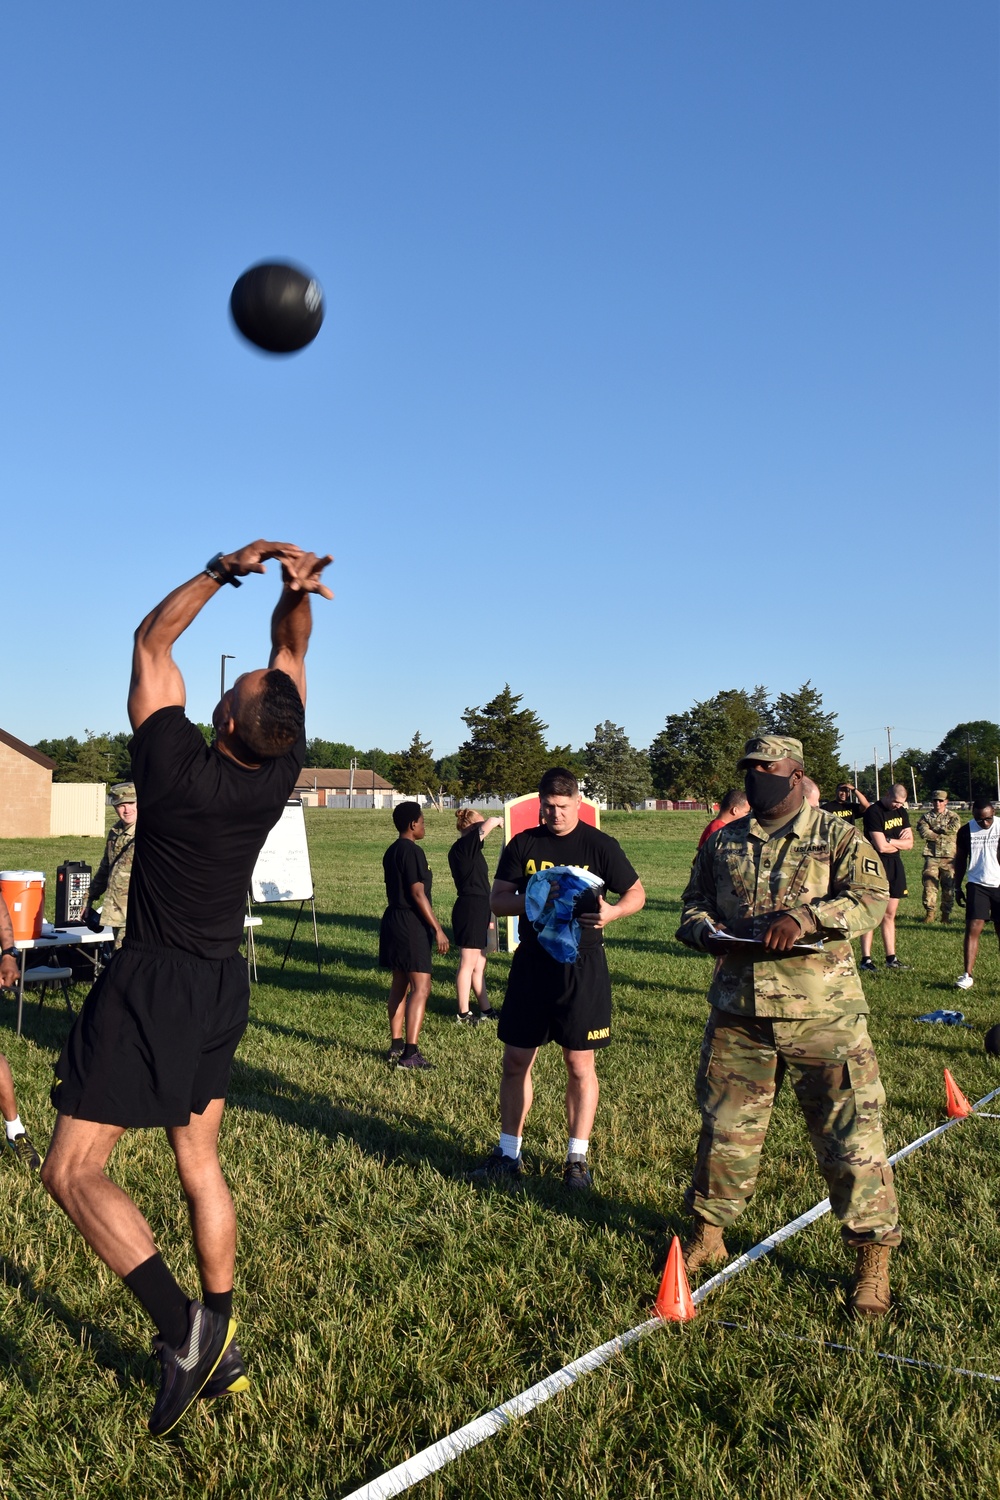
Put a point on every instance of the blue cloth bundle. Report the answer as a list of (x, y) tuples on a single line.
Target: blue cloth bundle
[(550, 902)]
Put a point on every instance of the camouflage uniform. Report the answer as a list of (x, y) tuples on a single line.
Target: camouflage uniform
[(939, 831), (802, 1015), (113, 875)]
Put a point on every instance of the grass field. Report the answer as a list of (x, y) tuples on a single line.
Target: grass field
[(383, 1301)]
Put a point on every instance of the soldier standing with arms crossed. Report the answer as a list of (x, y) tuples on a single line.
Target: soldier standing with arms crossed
[(939, 830), (789, 874), (115, 869)]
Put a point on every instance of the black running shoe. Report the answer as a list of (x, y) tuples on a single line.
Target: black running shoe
[(468, 1018), (498, 1170), (23, 1148), (415, 1060), (576, 1174), (867, 966), (185, 1371), (493, 1014), (229, 1376), (894, 963), (395, 1052)]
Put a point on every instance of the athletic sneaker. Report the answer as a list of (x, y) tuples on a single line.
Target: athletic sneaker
[(23, 1148), (505, 1171), (415, 1060), (576, 1173), (894, 963), (229, 1376), (489, 1015), (395, 1052), (185, 1371), (468, 1018), (964, 982), (867, 966)]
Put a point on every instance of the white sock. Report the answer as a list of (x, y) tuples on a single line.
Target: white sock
[(14, 1127), (510, 1145), (577, 1147)]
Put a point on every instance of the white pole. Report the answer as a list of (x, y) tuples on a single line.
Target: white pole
[(998, 777), (875, 757), (913, 778)]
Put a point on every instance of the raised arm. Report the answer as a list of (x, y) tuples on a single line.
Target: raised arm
[(156, 678), (291, 623)]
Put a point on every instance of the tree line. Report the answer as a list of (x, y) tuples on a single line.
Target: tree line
[(693, 757)]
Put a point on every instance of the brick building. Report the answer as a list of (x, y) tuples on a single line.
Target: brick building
[(25, 790)]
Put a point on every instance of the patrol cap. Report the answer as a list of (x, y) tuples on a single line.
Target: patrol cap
[(770, 747), (122, 791), (939, 796)]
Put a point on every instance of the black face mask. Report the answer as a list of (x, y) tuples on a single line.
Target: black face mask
[(765, 791)]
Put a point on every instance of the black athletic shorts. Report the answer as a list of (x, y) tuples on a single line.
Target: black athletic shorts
[(404, 941), (552, 1002), (155, 1040), (982, 904), (470, 921), (895, 874)]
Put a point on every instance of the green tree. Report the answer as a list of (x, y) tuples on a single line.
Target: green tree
[(413, 769), (329, 755), (64, 752), (615, 771), (505, 753), (571, 760), (696, 752), (964, 763), (448, 774), (801, 715), (379, 761)]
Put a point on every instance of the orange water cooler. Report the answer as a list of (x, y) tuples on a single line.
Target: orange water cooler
[(24, 894)]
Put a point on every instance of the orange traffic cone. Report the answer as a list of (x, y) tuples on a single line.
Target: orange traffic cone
[(958, 1105), (674, 1302)]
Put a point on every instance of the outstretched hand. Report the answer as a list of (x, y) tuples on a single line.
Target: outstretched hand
[(302, 573), (251, 558)]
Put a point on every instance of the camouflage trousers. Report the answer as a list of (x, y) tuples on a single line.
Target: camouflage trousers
[(834, 1072), (939, 871)]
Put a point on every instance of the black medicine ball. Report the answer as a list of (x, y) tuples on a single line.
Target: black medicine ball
[(992, 1041), (277, 307)]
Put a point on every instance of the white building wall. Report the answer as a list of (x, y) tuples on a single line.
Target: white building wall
[(78, 807)]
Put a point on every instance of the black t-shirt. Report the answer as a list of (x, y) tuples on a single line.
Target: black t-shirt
[(889, 821), (843, 809), (539, 849), (202, 822), (467, 863), (404, 863)]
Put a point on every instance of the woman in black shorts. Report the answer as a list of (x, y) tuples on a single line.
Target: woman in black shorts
[(470, 916), (408, 928)]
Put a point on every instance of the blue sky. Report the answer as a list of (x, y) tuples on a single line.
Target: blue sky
[(660, 354)]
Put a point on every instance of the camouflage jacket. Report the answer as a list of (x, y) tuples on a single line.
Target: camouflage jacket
[(820, 869), (113, 874), (939, 831)]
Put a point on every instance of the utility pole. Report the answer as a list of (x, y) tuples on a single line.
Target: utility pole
[(350, 789), (875, 759), (888, 736), (913, 778), (222, 673), (968, 761)]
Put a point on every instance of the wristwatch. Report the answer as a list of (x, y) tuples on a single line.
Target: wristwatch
[(214, 568), (9, 953)]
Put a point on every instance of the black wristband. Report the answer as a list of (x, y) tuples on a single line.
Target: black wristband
[(215, 570), (9, 953)]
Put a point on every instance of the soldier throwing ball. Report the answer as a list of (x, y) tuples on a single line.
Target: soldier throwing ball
[(939, 830), (789, 874)]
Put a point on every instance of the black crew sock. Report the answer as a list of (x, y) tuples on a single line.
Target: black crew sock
[(409, 1049), (162, 1298), (219, 1302)]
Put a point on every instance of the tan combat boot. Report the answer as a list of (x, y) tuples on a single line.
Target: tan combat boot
[(870, 1288), (929, 918), (706, 1247)]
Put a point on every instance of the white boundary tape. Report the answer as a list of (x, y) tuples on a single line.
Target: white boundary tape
[(429, 1460)]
